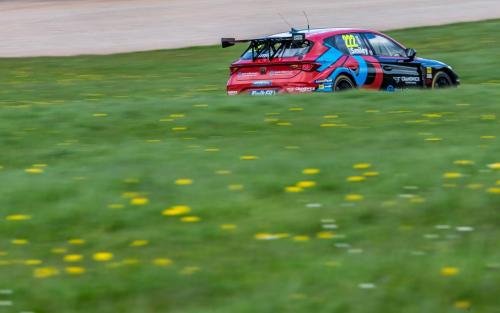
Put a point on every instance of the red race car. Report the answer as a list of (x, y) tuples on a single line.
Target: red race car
[(334, 59)]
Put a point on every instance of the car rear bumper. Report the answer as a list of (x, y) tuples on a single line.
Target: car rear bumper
[(272, 89)]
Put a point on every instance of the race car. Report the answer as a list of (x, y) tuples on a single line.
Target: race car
[(331, 60)]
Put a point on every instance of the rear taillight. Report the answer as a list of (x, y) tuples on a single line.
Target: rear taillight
[(306, 67), (233, 69)]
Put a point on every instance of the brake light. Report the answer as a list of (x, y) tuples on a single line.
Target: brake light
[(233, 69), (306, 67)]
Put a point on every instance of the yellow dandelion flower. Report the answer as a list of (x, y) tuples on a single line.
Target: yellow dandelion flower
[(296, 109), (18, 217), (462, 304), (73, 258), (179, 128), (189, 270), (235, 187), (433, 139), (488, 117), (116, 206), (452, 175), (355, 179), (99, 114), (103, 256), (32, 262), (306, 184), (139, 201), (475, 186), (130, 194), (76, 241), (228, 226), (212, 150), (177, 210), (177, 115), (301, 238), (361, 166), (162, 262), (432, 115), (75, 270), (284, 124), (45, 272), (310, 171), (264, 236), (371, 174), (183, 181), (34, 170), (223, 172), (494, 190), (331, 116), (353, 197), (19, 241), (494, 166), (325, 235), (463, 162), (190, 219), (293, 189), (248, 157), (488, 137), (139, 243), (58, 250), (449, 271), (281, 235)]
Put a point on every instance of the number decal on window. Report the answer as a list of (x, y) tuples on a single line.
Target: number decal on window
[(350, 41)]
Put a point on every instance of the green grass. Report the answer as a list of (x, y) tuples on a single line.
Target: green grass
[(104, 128)]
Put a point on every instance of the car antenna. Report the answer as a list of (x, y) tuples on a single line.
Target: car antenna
[(284, 20), (307, 19)]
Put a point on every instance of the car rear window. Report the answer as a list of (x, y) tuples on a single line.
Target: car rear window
[(286, 49)]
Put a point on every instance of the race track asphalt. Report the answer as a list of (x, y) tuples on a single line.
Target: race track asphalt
[(72, 27)]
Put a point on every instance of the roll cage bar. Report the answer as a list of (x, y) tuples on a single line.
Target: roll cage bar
[(259, 45)]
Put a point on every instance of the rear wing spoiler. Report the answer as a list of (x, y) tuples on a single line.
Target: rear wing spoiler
[(296, 37), (259, 45)]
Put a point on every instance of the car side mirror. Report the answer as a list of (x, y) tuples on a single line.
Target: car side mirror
[(411, 53)]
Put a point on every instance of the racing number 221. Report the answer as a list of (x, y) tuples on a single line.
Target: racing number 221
[(350, 41)]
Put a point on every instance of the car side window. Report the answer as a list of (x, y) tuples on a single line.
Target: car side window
[(384, 46), (350, 44)]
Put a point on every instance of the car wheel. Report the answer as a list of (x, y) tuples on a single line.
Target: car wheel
[(441, 80), (343, 83)]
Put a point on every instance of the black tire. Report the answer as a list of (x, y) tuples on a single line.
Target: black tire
[(442, 80), (343, 83)]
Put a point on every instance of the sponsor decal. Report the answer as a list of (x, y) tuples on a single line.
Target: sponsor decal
[(232, 92), (429, 72), (322, 81), (247, 74), (264, 92), (262, 83), (300, 89), (406, 79), (277, 73), (390, 88)]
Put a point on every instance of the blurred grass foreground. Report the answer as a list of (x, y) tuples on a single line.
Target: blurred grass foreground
[(131, 183)]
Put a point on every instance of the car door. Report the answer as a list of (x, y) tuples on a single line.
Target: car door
[(399, 72), (359, 63)]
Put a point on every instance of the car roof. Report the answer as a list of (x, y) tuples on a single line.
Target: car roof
[(321, 33)]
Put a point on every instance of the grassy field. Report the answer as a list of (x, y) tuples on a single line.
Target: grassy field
[(131, 183)]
